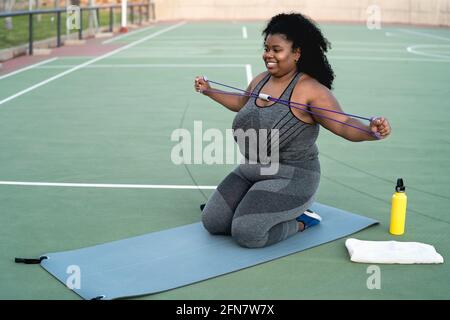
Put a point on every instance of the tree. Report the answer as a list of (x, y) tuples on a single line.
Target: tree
[(8, 5)]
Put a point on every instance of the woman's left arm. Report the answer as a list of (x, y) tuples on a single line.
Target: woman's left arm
[(322, 97)]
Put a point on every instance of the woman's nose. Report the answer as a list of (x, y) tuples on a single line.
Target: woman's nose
[(267, 55)]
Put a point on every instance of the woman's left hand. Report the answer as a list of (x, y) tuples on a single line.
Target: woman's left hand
[(380, 126)]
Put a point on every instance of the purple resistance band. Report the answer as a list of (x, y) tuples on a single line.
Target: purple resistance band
[(293, 105)]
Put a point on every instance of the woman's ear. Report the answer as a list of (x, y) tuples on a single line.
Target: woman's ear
[(297, 53)]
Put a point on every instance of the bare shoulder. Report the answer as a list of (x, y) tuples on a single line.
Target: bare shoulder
[(309, 91), (256, 80), (310, 87)]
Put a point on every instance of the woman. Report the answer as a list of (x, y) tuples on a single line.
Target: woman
[(260, 210)]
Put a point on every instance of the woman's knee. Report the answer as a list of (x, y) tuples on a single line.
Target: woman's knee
[(247, 234), (215, 222)]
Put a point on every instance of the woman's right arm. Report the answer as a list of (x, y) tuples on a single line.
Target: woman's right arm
[(234, 103)]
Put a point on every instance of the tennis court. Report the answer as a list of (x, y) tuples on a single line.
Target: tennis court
[(86, 155)]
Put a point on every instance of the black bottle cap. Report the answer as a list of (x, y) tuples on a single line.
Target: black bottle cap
[(400, 187)]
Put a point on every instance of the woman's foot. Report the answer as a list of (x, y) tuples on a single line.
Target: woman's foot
[(308, 219)]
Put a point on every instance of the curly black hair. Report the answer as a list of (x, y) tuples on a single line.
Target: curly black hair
[(307, 36)]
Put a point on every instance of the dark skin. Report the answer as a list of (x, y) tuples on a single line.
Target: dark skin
[(280, 60)]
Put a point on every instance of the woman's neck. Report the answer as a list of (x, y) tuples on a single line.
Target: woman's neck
[(284, 78)]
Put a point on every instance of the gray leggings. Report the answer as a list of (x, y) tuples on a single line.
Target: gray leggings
[(258, 210)]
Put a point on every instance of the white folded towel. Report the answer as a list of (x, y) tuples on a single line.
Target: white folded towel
[(391, 252)]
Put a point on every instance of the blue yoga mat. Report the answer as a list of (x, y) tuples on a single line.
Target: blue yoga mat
[(180, 256)]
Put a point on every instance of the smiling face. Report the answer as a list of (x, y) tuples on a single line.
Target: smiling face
[(278, 55)]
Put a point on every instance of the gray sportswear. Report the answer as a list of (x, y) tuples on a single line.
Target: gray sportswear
[(257, 209)]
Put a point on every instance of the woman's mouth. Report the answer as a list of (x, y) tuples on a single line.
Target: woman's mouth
[(271, 64)]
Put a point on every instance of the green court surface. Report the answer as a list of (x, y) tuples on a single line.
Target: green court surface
[(109, 123)]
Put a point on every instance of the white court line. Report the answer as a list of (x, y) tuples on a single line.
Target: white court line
[(413, 49), (370, 43), (400, 49), (218, 44), (130, 45), (215, 57), (386, 59), (149, 66), (103, 185), (256, 50), (27, 68), (193, 56), (212, 40), (425, 34), (252, 42), (248, 70), (126, 35), (187, 51), (202, 38), (244, 32)]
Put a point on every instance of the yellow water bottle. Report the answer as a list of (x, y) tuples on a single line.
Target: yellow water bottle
[(398, 210)]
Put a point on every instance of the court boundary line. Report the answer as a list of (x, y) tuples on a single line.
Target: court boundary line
[(246, 48), (104, 56), (244, 32), (27, 68), (388, 59), (255, 48), (103, 185), (413, 49), (381, 50), (406, 59), (423, 34), (127, 35), (149, 65), (249, 73), (249, 41)]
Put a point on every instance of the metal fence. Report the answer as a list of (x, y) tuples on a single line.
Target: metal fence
[(140, 9)]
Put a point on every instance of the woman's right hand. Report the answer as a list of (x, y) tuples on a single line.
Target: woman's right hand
[(201, 84)]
